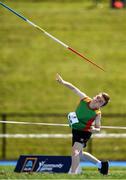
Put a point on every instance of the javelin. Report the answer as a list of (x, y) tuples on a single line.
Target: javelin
[(55, 124), (52, 37)]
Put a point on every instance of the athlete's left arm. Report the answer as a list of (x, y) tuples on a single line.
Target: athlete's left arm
[(97, 124)]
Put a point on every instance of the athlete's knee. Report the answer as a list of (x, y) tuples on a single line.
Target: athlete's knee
[(76, 149), (75, 152)]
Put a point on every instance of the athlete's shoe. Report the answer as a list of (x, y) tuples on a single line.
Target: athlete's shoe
[(104, 167)]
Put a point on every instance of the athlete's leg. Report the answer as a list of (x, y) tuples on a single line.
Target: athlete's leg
[(76, 149), (103, 166), (85, 156)]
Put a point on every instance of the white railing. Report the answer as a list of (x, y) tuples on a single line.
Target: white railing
[(100, 135)]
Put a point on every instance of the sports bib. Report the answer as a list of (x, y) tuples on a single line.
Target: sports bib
[(72, 118)]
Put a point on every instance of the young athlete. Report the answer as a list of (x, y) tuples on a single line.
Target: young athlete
[(85, 121)]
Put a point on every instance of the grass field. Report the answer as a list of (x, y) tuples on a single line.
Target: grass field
[(29, 62), (87, 173)]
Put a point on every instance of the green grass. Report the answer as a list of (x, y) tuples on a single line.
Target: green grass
[(29, 62), (6, 172)]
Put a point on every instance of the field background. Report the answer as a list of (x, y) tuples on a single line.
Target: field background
[(29, 62)]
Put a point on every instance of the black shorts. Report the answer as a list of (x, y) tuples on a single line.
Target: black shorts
[(80, 136)]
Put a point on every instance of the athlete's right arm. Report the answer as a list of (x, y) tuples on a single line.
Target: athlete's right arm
[(70, 86)]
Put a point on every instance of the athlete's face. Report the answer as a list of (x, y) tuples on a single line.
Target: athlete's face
[(98, 100)]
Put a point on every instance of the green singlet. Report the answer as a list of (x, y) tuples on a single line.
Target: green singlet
[(85, 115)]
